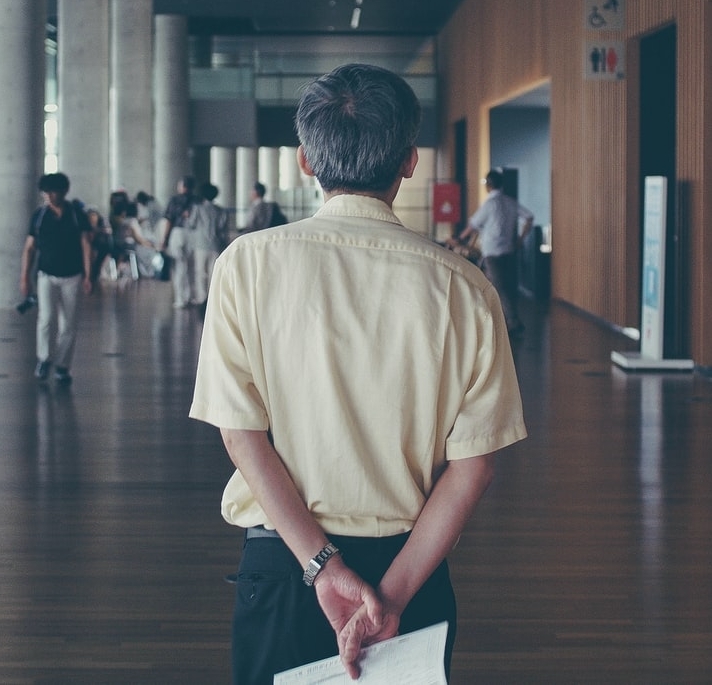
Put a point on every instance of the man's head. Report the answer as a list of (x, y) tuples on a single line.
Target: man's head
[(57, 183), (357, 126), (186, 185), (209, 191), (494, 180), (259, 190)]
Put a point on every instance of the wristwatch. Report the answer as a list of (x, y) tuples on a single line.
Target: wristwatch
[(317, 563)]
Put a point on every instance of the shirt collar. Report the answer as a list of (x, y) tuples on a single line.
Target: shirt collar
[(358, 205)]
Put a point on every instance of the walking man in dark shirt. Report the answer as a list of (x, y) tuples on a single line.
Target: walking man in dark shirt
[(60, 234)]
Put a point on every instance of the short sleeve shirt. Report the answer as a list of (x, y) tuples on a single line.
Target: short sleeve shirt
[(372, 355), (497, 221), (209, 222), (178, 208), (59, 240)]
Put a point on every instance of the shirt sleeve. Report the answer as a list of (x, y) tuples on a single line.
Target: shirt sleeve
[(490, 415), (226, 388), (479, 218), (34, 223)]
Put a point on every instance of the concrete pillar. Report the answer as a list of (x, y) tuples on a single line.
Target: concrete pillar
[(171, 98), (22, 77), (268, 166), (83, 76), (290, 176), (246, 176), (131, 106), (199, 55), (223, 170)]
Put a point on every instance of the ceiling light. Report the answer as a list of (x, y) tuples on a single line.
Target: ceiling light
[(355, 17)]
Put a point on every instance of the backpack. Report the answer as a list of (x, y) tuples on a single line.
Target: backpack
[(278, 218)]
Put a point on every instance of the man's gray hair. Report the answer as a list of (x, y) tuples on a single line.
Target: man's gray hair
[(357, 125)]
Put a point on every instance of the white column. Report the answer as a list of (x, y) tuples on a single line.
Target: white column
[(171, 97), (22, 77), (83, 76), (131, 110), (246, 177), (290, 176), (268, 165), (223, 170)]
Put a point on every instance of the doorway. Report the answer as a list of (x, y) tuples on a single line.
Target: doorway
[(520, 145), (658, 126)]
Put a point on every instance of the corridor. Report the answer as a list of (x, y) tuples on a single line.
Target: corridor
[(588, 561)]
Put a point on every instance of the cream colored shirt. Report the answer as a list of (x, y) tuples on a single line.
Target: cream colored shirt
[(371, 353)]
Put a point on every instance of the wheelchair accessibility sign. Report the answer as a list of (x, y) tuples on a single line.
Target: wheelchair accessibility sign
[(604, 15)]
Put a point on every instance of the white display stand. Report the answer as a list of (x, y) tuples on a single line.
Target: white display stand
[(635, 361), (650, 357)]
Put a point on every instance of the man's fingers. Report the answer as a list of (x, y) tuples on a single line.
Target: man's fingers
[(350, 640)]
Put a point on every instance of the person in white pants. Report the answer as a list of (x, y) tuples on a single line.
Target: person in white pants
[(60, 235), (207, 225), (177, 241)]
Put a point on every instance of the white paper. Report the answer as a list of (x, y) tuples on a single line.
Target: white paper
[(412, 659)]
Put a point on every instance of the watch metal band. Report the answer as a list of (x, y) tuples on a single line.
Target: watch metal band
[(317, 563)]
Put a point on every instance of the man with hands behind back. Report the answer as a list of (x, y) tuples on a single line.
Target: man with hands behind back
[(362, 379)]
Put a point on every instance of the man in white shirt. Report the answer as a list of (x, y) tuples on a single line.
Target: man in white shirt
[(497, 223), (362, 380)]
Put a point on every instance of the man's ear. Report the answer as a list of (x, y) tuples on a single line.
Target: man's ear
[(409, 163), (303, 163)]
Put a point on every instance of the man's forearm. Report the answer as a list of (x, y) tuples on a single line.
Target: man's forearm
[(450, 505), (274, 489), (435, 533), (340, 592), (86, 255), (28, 254), (166, 234)]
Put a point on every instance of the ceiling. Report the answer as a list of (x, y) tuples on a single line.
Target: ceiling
[(312, 17)]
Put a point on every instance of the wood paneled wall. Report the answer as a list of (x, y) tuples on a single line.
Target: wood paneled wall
[(492, 50)]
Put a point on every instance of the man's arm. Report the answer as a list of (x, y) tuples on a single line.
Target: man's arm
[(339, 590), (451, 503), (86, 260), (474, 225), (28, 253), (528, 221), (167, 227), (168, 222)]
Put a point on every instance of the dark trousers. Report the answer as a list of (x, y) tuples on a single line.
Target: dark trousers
[(502, 271), (278, 624)]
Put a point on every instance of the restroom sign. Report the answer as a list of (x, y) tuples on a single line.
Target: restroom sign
[(604, 60), (604, 15)]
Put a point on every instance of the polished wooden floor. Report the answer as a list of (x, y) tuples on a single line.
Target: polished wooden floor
[(589, 561)]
